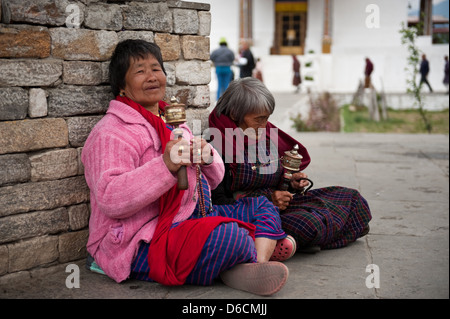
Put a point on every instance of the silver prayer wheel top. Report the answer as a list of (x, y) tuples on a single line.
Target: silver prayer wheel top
[(292, 160), (175, 113)]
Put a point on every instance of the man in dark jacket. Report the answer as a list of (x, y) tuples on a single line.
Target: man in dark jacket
[(424, 70), (246, 62)]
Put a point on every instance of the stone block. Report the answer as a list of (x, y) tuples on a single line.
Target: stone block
[(185, 21), (82, 73), (80, 128), (75, 100), (192, 96), (83, 44), (197, 120), (103, 16), (105, 72), (80, 163), (195, 47), (193, 73), (147, 16), (4, 258), (72, 246), (23, 226), (148, 36), (45, 12), (13, 278), (13, 103), (32, 253), (22, 41), (171, 80), (202, 96), (38, 103), (78, 216), (53, 165), (30, 72), (188, 5), (170, 46), (185, 94), (31, 135), (47, 195), (15, 168), (204, 19)]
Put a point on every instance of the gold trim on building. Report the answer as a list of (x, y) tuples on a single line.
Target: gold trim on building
[(299, 7)]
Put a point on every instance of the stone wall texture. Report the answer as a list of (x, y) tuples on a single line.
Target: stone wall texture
[(53, 89)]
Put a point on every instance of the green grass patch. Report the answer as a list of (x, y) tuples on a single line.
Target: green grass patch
[(357, 120)]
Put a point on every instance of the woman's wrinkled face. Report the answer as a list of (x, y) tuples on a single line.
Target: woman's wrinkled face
[(254, 121), (145, 82)]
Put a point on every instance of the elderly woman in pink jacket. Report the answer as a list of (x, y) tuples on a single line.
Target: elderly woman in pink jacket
[(142, 226)]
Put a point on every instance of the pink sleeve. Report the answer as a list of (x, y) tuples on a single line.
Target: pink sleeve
[(121, 185)]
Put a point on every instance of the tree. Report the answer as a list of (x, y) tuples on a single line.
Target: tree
[(409, 37)]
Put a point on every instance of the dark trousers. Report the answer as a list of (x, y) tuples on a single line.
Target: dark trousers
[(425, 80)]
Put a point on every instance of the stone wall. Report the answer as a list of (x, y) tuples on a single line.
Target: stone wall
[(54, 89)]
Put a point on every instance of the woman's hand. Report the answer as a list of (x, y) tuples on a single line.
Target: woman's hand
[(296, 183), (281, 199), (182, 153), (177, 154), (201, 151)]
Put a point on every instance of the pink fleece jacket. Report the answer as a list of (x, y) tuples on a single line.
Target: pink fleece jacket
[(125, 172)]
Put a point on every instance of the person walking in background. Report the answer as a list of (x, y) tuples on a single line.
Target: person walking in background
[(368, 73), (297, 80), (424, 71), (246, 61), (223, 59), (446, 72)]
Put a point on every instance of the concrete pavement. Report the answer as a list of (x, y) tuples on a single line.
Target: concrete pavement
[(405, 179)]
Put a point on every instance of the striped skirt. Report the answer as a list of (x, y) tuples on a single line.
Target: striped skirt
[(228, 245)]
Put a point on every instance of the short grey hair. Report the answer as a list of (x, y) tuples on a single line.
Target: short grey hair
[(244, 96)]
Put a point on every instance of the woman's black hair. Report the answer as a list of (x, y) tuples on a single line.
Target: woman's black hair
[(120, 60)]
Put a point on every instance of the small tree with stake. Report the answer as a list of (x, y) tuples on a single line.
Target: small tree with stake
[(409, 36)]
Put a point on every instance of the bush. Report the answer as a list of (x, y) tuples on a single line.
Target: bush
[(324, 115)]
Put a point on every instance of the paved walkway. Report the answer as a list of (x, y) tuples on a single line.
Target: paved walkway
[(405, 179)]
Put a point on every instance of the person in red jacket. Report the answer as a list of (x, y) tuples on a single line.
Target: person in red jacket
[(297, 80), (368, 73)]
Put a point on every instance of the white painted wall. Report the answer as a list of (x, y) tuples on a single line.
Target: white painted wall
[(341, 70)]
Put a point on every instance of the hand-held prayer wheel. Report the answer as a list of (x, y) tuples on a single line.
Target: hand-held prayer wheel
[(291, 162), (175, 115)]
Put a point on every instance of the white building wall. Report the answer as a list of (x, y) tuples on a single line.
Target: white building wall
[(224, 22), (353, 40), (263, 27), (315, 25)]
